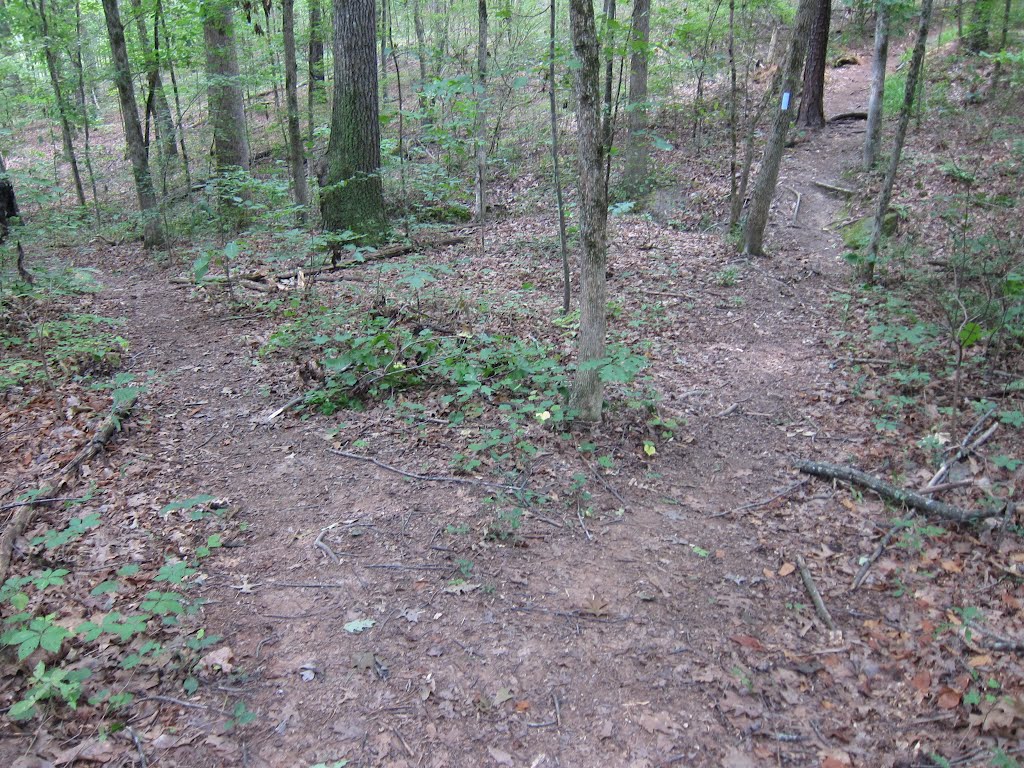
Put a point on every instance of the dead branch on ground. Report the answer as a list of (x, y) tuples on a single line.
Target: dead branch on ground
[(812, 590), (21, 519), (889, 492)]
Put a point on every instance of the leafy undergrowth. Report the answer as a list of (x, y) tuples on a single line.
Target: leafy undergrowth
[(97, 617)]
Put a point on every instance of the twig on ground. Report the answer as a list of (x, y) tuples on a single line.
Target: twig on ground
[(887, 491), (998, 642), (319, 544), (413, 567), (607, 486), (40, 502), (968, 445), (763, 502), (291, 403), (138, 746), (812, 590), (796, 207), (186, 704), (877, 553), (583, 525)]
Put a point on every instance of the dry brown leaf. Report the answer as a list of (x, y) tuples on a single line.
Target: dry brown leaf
[(786, 569)]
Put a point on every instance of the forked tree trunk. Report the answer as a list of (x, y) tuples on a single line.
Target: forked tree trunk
[(768, 177), (291, 96), (867, 267), (352, 195), (153, 236), (587, 394), (634, 176), (161, 108), (226, 104), (812, 104), (66, 131), (878, 66), (481, 121)]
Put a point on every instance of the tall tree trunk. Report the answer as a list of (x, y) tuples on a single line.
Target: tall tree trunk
[(421, 55), (226, 104), (867, 267), (812, 104), (481, 121), (879, 62), (352, 195), (161, 109), (634, 177), (316, 92), (83, 105), (587, 395), (295, 153), (767, 178), (384, 22), (177, 98), (153, 236), (63, 110), (609, 75), (555, 170)]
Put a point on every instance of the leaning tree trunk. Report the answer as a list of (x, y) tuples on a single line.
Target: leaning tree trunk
[(161, 108), (224, 90), (812, 104), (295, 158), (153, 236), (53, 67), (764, 187), (878, 66), (634, 175), (867, 267), (352, 194), (587, 393)]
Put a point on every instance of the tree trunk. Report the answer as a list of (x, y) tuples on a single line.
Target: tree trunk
[(767, 178), (177, 98), (587, 394), (315, 93), (8, 202), (878, 66), (66, 131), (421, 55), (481, 121), (352, 195), (79, 65), (634, 176), (161, 109), (867, 267), (555, 169), (224, 91), (153, 236), (295, 154), (609, 75), (812, 104)]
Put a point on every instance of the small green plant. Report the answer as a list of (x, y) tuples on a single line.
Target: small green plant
[(728, 277)]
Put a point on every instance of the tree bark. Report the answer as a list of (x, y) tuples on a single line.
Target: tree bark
[(224, 91), (587, 395), (812, 104), (153, 236), (315, 92), (352, 195), (63, 111), (977, 28), (867, 267), (768, 177), (634, 176), (161, 109), (879, 63), (421, 56), (296, 161)]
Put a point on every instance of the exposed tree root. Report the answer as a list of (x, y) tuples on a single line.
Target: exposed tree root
[(21, 519), (890, 492)]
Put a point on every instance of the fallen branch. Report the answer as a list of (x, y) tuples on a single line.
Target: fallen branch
[(866, 566), (967, 446), (849, 116), (812, 590), (763, 502), (832, 188), (21, 519), (889, 492)]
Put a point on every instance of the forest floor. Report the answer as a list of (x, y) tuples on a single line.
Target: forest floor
[(646, 609)]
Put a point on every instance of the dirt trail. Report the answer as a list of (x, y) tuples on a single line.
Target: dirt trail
[(646, 641)]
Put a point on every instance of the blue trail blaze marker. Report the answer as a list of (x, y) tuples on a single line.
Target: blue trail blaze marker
[(785, 101)]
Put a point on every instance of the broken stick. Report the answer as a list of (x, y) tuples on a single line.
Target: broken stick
[(812, 590)]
